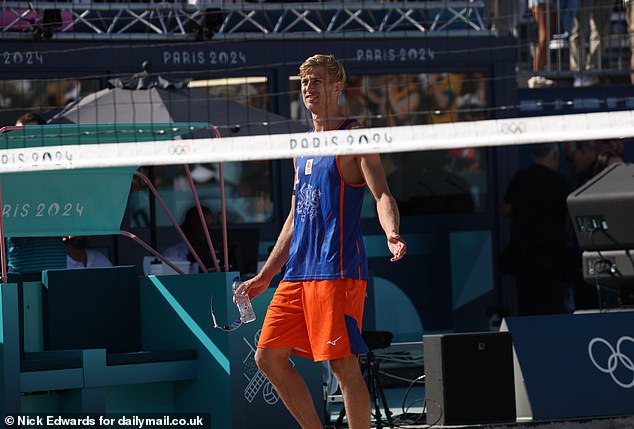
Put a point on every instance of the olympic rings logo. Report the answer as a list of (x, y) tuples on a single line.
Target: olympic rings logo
[(179, 149), (616, 358), (513, 127)]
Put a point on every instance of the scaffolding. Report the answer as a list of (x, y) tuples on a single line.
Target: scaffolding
[(196, 20)]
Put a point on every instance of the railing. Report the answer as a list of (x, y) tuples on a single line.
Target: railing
[(613, 54), (79, 20)]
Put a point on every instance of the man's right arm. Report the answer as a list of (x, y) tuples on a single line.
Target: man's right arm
[(275, 261)]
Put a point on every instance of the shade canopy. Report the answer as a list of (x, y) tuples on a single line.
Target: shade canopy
[(160, 100)]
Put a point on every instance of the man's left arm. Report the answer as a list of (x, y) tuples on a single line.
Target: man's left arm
[(386, 207)]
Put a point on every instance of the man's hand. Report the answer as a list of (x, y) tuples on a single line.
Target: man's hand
[(253, 287), (397, 246)]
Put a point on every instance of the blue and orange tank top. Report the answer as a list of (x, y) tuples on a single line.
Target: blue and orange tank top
[(327, 243)]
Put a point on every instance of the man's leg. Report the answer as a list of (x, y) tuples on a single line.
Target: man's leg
[(289, 384), (541, 48), (580, 32), (599, 24), (355, 394)]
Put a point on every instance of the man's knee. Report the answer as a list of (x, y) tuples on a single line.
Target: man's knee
[(262, 360), (344, 367), (270, 359)]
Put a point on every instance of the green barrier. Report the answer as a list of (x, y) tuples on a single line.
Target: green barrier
[(81, 134), (175, 312), (71, 202), (68, 202)]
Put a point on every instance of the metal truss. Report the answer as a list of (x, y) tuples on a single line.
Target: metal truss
[(191, 20)]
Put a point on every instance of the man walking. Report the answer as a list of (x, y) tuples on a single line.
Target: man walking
[(317, 309)]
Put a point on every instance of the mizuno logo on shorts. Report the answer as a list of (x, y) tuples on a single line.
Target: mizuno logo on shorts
[(333, 342)]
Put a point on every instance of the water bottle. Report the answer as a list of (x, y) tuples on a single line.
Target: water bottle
[(243, 302)]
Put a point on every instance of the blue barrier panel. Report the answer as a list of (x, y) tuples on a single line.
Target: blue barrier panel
[(175, 313), (9, 349), (574, 366)]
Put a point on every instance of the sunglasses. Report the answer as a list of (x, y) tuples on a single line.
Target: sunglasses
[(227, 328)]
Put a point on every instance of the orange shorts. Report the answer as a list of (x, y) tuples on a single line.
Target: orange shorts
[(318, 319)]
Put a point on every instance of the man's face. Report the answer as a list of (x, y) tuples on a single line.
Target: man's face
[(582, 159), (318, 92), (579, 156)]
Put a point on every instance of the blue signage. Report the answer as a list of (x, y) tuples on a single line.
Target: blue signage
[(216, 59), (574, 366)]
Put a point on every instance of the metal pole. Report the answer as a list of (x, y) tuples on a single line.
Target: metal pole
[(153, 240), (3, 247), (201, 215), (223, 208), (158, 198)]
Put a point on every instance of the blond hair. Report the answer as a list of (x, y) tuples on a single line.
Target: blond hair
[(333, 67)]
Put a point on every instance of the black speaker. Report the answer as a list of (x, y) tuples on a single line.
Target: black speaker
[(600, 208), (469, 378)]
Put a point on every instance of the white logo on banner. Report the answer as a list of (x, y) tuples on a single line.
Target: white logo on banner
[(614, 361)]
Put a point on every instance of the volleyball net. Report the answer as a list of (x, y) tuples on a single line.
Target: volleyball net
[(29, 150)]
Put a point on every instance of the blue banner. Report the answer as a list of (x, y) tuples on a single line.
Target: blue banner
[(574, 366)]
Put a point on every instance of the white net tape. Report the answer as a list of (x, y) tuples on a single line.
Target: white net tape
[(488, 133)]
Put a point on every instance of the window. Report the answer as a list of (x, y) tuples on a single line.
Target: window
[(42, 96)]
